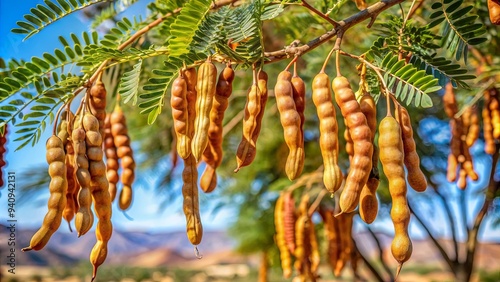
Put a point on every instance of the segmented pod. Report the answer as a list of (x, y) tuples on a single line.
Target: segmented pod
[(279, 225), (194, 228), (112, 163), (361, 163), (415, 177), (328, 128), (290, 120), (98, 103), (84, 217), (289, 220), (391, 156), (57, 201), (179, 104), (299, 97), (206, 85)]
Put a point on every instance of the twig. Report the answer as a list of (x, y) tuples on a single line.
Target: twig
[(433, 239), (381, 253), (233, 122), (370, 12), (473, 232), (368, 264), (316, 202), (314, 10), (450, 218)]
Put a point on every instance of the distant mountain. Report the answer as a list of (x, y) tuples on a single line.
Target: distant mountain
[(67, 248)]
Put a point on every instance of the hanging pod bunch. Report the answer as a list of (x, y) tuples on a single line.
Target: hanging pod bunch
[(179, 104), (361, 163), (205, 86), (460, 158), (368, 204), (97, 102), (191, 206), (415, 176), (112, 162), (57, 201), (125, 155), (391, 156), (84, 217), (3, 142), (328, 128), (494, 11), (212, 155), (280, 237), (290, 120)]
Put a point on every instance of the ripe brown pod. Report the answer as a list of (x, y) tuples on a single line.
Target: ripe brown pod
[(299, 97), (290, 120), (250, 145), (328, 128), (361, 163), (246, 149), (368, 204), (112, 164), (179, 104), (57, 201), (279, 224), (494, 11), (415, 177), (194, 229), (489, 146), (391, 156), (98, 103), (289, 220), (84, 217), (473, 132), (125, 154), (206, 85)]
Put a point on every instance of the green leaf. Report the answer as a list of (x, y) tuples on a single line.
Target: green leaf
[(129, 84)]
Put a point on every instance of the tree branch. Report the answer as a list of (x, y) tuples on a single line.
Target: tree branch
[(474, 231), (369, 13), (367, 263), (381, 253), (450, 218), (436, 243)]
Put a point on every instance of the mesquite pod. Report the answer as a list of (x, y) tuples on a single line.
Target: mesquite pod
[(57, 201), (100, 194), (489, 141), (494, 11), (473, 132), (279, 225), (289, 220), (112, 164), (179, 104), (206, 85), (213, 152), (98, 103), (246, 145), (345, 227), (328, 128), (361, 163), (391, 156), (191, 94), (415, 177), (494, 106), (84, 217), (125, 154), (290, 120), (299, 97), (246, 149), (194, 229)]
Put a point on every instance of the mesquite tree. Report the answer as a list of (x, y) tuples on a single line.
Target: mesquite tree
[(301, 143)]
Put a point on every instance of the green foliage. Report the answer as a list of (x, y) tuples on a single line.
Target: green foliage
[(407, 82), (111, 12), (43, 15), (129, 84), (459, 29)]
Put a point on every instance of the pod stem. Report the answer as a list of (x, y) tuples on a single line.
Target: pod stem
[(54, 128), (398, 270), (197, 252), (291, 62)]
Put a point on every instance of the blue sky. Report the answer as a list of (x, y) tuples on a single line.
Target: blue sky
[(146, 204)]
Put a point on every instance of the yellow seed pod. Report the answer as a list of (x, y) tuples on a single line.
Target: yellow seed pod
[(279, 224), (206, 85)]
